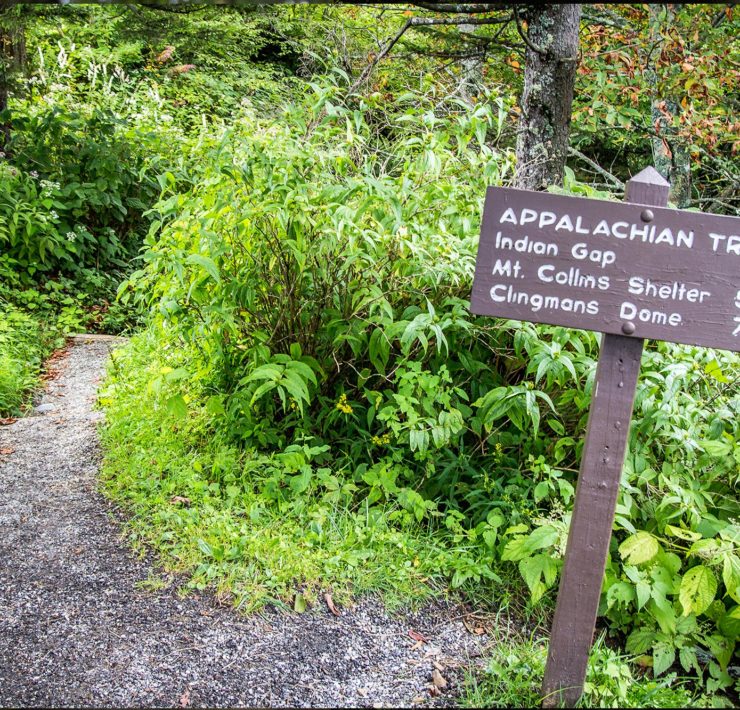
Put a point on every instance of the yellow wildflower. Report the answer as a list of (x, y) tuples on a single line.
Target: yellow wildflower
[(343, 405)]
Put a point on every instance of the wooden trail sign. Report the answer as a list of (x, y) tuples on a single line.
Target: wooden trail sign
[(630, 270), (613, 267)]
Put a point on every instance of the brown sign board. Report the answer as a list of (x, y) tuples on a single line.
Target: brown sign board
[(613, 267)]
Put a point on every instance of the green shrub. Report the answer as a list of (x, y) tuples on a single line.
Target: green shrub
[(319, 276), (74, 194), (22, 347)]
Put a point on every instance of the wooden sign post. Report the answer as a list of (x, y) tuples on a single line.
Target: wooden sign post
[(631, 272)]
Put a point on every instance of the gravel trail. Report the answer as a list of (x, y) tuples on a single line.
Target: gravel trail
[(78, 629)]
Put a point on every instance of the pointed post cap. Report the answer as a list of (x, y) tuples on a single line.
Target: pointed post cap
[(648, 187)]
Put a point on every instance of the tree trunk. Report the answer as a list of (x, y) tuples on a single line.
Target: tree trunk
[(670, 152), (5, 43), (549, 76), (472, 70)]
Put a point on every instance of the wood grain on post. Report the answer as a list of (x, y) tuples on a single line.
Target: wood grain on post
[(596, 494)]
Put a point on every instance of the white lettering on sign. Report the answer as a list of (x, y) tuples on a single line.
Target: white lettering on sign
[(635, 269), (731, 243), (647, 233), (673, 290), (501, 293), (598, 256), (506, 268), (526, 246), (629, 311), (571, 277)]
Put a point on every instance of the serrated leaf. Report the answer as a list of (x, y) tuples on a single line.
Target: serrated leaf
[(698, 587), (515, 550), (688, 659), (664, 613), (718, 449), (639, 641), (542, 537), (664, 655), (639, 548), (539, 573), (704, 548), (622, 592)]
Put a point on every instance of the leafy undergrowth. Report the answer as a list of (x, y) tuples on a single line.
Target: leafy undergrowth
[(201, 504), (515, 669), (313, 404), (24, 342)]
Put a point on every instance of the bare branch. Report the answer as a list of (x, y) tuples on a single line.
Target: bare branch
[(524, 35), (424, 21), (720, 17), (368, 69), (604, 173), (460, 7)]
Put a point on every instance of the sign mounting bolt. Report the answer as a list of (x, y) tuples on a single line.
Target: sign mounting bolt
[(628, 328), (647, 215)]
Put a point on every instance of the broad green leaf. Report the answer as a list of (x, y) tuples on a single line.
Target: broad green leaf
[(207, 263), (682, 533), (541, 537), (731, 576), (299, 604), (642, 591), (541, 490), (663, 612), (515, 550), (539, 572), (705, 548), (622, 592), (722, 648), (639, 641), (214, 405), (664, 656), (639, 548), (177, 406), (301, 482), (729, 624), (718, 449), (266, 372), (303, 370), (714, 370), (698, 587), (687, 656), (205, 548)]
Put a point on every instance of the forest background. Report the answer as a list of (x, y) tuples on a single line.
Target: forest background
[(282, 205)]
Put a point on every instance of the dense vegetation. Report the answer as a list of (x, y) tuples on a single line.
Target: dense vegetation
[(308, 402)]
